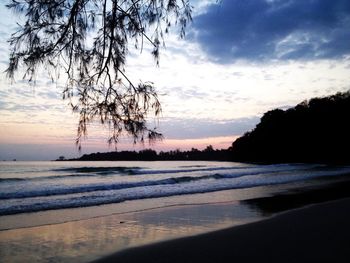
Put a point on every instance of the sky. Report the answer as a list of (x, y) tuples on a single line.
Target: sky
[(238, 60)]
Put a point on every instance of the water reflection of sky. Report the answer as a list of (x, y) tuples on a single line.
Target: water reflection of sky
[(85, 240)]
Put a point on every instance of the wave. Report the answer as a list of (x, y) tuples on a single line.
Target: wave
[(42, 178), (140, 170), (175, 171), (105, 186), (99, 170), (14, 179), (78, 172), (111, 171), (123, 171), (192, 166), (159, 190), (272, 168)]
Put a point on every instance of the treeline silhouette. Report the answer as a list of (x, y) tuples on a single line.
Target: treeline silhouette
[(208, 154), (316, 131)]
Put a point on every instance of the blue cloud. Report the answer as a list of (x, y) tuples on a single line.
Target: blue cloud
[(260, 30)]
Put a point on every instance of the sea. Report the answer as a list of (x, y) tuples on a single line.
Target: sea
[(72, 211), (27, 187)]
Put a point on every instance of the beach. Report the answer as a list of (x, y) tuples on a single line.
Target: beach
[(317, 233), (174, 131), (162, 211)]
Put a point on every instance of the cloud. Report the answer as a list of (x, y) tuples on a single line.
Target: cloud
[(260, 30), (174, 128)]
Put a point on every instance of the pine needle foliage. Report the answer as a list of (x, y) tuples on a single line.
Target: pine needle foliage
[(89, 40)]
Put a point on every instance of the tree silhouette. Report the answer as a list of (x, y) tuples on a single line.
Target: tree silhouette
[(151, 155), (314, 131), (89, 40)]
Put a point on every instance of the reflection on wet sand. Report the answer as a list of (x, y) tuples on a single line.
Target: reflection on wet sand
[(85, 240)]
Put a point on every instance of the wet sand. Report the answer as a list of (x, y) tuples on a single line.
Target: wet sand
[(316, 233), (182, 216)]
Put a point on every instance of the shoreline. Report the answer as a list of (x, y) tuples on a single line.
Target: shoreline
[(278, 197), (314, 233), (85, 240), (61, 216), (267, 200), (116, 214), (94, 238)]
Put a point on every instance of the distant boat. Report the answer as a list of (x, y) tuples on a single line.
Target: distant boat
[(14, 160)]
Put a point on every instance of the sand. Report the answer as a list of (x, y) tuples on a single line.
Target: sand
[(317, 233)]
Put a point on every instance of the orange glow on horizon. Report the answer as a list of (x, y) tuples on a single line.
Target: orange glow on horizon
[(222, 142)]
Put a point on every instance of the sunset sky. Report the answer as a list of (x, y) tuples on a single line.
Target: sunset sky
[(239, 59)]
